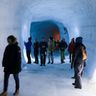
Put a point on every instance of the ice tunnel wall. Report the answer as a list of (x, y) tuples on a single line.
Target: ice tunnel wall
[(79, 17)]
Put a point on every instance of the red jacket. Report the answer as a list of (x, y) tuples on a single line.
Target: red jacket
[(71, 47)]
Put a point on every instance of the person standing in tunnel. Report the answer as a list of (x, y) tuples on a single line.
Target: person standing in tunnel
[(43, 51), (12, 64), (71, 50), (28, 46), (63, 45), (36, 50), (50, 50), (78, 61)]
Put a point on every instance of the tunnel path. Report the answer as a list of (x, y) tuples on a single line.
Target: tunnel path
[(49, 80)]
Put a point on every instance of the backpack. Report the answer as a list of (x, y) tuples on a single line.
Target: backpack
[(84, 55)]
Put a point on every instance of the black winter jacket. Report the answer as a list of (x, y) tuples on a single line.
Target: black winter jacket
[(12, 59), (43, 47), (63, 45)]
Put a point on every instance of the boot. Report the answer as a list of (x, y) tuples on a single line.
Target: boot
[(48, 62), (3, 93), (16, 92)]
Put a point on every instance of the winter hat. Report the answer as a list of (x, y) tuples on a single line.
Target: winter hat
[(79, 40)]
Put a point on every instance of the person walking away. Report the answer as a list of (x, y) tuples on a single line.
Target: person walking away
[(12, 64), (50, 50), (62, 46), (36, 50), (43, 51), (78, 62), (28, 46)]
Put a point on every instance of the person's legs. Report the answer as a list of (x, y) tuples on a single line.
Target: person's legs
[(62, 56), (70, 57), (48, 57), (37, 58), (41, 59), (52, 60), (16, 78), (6, 78), (28, 56), (74, 74), (78, 83), (44, 59)]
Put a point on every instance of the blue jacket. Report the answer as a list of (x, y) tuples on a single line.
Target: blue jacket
[(28, 45)]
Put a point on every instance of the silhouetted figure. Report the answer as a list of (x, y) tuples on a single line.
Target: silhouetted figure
[(36, 50), (71, 50), (12, 64), (50, 50), (28, 46), (78, 62), (62, 46), (43, 51)]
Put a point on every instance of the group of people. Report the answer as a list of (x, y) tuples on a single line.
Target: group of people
[(44, 48), (12, 58), (78, 55)]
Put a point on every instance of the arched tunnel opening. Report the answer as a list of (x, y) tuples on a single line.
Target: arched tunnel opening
[(44, 29), (47, 28)]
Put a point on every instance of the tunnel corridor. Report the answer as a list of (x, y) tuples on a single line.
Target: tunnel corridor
[(60, 18)]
